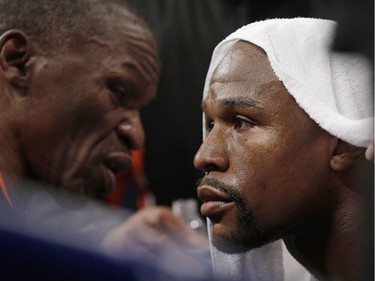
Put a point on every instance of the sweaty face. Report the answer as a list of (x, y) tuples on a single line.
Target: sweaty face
[(267, 162), (82, 110)]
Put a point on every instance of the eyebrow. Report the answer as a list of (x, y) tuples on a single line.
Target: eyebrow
[(240, 102)]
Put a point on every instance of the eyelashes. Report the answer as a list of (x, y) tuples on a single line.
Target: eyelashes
[(120, 92), (241, 122), (238, 122)]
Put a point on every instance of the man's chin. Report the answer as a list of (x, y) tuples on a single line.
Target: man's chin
[(99, 189), (240, 241), (92, 187), (69, 197), (98, 184), (228, 246)]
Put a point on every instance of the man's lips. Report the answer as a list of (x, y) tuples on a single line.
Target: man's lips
[(118, 162), (115, 164), (215, 202)]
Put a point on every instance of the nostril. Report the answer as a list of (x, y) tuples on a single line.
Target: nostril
[(210, 167), (132, 134)]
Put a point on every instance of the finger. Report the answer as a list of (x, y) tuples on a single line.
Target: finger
[(370, 152)]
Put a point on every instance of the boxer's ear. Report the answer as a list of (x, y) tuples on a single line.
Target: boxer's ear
[(345, 156)]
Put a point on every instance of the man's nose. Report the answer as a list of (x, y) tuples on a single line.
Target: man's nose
[(212, 155), (131, 130)]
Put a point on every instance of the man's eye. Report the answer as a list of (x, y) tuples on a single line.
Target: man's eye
[(119, 91), (243, 122)]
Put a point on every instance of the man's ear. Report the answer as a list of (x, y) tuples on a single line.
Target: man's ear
[(16, 48), (345, 156)]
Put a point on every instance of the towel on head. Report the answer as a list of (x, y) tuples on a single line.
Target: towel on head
[(333, 88)]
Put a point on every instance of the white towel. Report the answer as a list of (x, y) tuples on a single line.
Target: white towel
[(333, 88)]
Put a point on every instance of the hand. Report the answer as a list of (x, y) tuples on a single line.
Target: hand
[(155, 234)]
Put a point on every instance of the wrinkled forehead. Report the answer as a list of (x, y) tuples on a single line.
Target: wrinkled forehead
[(130, 44), (141, 44), (122, 29)]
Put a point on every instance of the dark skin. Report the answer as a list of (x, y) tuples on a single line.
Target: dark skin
[(76, 116), (70, 118), (273, 173)]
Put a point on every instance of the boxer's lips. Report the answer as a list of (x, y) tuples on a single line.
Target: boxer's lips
[(215, 202)]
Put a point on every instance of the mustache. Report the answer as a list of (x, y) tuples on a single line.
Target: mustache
[(221, 186)]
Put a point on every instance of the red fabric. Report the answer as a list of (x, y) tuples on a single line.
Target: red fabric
[(4, 190), (135, 175)]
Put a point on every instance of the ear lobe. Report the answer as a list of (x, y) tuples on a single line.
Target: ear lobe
[(345, 156), (15, 52)]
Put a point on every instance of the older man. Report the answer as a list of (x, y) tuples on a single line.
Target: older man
[(73, 77), (286, 124), (71, 91)]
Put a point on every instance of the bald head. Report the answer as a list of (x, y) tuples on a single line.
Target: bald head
[(61, 24)]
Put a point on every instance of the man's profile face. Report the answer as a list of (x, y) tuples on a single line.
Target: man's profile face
[(267, 161), (84, 106)]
